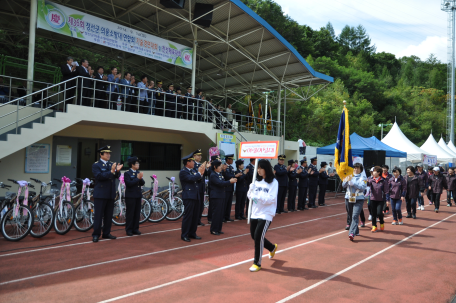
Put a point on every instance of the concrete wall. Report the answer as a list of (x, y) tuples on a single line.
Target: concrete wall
[(11, 118), (13, 167)]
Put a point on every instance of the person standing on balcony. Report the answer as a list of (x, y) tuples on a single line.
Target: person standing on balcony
[(199, 105), (180, 102), (125, 90), (104, 193), (142, 87), (84, 84), (113, 89), (188, 106), (281, 172), (170, 105), (69, 72), (159, 98), (100, 88), (133, 96)]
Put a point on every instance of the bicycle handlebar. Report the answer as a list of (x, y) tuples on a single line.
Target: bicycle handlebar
[(36, 180), (169, 179), (4, 185), (14, 181)]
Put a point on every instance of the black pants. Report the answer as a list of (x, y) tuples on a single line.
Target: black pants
[(113, 100), (84, 96), (209, 211), (133, 212), (100, 101), (104, 209), (291, 203), (410, 205), (349, 209), (302, 195), (240, 204), (321, 194), (449, 194), (312, 195), (282, 193), (201, 205), (190, 218), (386, 208), (436, 200), (258, 228), (377, 210), (228, 203), (159, 104), (218, 211), (429, 195)]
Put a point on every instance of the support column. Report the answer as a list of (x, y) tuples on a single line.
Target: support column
[(195, 44), (31, 52), (284, 113), (452, 75), (278, 127)]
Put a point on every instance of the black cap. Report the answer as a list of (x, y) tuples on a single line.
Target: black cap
[(159, 82), (323, 164), (304, 160), (215, 157), (290, 161), (170, 85), (178, 88), (230, 156), (313, 159), (105, 149), (197, 152), (188, 158), (189, 87), (282, 157), (132, 160)]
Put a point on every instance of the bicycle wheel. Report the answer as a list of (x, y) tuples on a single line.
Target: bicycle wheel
[(206, 206), (64, 218), (119, 214), (84, 216), (146, 210), (43, 218), (15, 228), (159, 210), (176, 210)]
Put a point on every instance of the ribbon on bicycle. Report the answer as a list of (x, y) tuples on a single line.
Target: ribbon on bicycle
[(64, 193), (26, 194), (155, 189), (121, 189), (171, 195), (86, 183)]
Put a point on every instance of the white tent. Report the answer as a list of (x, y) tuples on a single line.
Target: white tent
[(396, 139), (431, 147), (443, 145), (451, 146)]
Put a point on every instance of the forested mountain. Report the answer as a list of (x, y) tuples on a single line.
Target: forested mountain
[(378, 87)]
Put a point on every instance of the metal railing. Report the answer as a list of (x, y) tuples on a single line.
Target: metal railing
[(90, 92), (21, 85)]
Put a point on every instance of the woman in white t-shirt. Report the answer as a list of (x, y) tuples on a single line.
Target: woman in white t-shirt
[(263, 193)]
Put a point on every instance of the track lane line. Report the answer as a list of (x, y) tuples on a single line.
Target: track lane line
[(227, 266), (158, 252), (360, 262)]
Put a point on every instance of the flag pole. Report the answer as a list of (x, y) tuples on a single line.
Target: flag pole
[(253, 181)]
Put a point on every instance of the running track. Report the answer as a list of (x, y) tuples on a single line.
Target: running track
[(315, 263)]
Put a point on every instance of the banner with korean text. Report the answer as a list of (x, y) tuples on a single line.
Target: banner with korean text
[(259, 150), (69, 22)]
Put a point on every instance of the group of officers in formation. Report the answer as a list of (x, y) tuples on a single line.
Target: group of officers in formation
[(219, 178)]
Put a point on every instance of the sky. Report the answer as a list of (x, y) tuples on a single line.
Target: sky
[(400, 27)]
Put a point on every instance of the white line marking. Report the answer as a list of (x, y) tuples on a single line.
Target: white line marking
[(101, 240), (359, 263), (222, 268), (158, 252)]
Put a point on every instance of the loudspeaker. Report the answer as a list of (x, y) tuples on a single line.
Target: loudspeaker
[(373, 158), (173, 3), (201, 9)]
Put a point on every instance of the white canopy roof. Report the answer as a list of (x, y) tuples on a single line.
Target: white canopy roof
[(431, 147), (451, 146), (396, 139), (443, 145)]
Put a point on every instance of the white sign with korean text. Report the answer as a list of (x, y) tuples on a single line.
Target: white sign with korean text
[(37, 158), (260, 150)]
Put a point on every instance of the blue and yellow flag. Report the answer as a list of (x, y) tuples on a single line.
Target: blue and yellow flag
[(343, 153)]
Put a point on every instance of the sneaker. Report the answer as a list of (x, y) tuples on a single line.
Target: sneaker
[(394, 222), (370, 218), (272, 253), (422, 207), (436, 210), (363, 224), (414, 216), (448, 205), (357, 234), (254, 268), (351, 237), (382, 227), (409, 215), (430, 203), (347, 227), (400, 222), (374, 229)]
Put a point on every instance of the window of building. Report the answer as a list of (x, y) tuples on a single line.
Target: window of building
[(153, 156)]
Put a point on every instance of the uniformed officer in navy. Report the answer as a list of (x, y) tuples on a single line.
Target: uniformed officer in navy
[(133, 181), (281, 173), (171, 102), (313, 182), (292, 185), (105, 174), (303, 185), (189, 103), (218, 196), (190, 195), (229, 174), (197, 155), (159, 99), (209, 172), (242, 187)]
